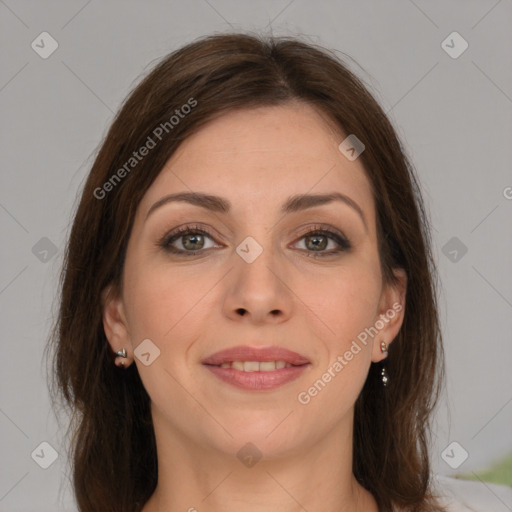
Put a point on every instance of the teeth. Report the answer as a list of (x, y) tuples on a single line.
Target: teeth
[(256, 366), (267, 366), (251, 366)]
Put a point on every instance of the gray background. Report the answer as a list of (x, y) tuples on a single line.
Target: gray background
[(454, 116)]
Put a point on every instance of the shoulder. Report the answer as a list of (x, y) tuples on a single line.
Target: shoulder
[(459, 495)]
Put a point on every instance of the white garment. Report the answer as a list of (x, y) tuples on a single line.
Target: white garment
[(459, 495)]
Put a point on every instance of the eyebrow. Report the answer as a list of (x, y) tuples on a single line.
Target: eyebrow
[(293, 204)]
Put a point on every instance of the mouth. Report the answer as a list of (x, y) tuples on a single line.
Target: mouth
[(256, 369), (247, 354), (256, 366)]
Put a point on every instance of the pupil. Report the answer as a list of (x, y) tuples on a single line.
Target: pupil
[(193, 239), (316, 243)]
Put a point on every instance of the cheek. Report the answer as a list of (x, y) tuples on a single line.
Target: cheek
[(344, 303), (163, 300), (344, 306)]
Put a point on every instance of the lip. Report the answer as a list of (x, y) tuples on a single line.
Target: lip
[(256, 381), (246, 353)]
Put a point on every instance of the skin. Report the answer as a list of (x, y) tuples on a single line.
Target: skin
[(189, 307)]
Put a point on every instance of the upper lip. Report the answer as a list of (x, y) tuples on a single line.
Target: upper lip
[(246, 353)]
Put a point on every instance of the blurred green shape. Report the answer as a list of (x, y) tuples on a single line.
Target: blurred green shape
[(500, 473)]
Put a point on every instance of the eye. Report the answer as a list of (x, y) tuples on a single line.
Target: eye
[(187, 240), (319, 239)]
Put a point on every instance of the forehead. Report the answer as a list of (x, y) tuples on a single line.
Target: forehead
[(261, 156)]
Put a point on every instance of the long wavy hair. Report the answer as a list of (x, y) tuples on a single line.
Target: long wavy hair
[(112, 445)]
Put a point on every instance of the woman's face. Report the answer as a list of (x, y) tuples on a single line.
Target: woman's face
[(262, 265)]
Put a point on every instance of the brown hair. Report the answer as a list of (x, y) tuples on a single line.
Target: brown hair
[(113, 449)]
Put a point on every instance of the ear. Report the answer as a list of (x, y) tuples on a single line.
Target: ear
[(391, 314), (114, 321)]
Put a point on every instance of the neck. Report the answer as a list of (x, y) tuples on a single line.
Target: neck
[(199, 478)]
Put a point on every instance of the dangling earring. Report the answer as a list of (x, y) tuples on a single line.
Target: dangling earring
[(383, 373), (384, 376)]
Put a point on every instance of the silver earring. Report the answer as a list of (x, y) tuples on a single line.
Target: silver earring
[(384, 377), (383, 372), (121, 353)]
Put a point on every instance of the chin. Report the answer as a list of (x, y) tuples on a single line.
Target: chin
[(270, 435)]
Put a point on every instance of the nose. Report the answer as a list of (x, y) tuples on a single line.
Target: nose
[(258, 291)]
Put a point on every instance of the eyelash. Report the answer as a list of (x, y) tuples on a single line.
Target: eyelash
[(168, 239)]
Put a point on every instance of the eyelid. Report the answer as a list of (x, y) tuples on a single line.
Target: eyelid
[(321, 227), (329, 231), (180, 231)]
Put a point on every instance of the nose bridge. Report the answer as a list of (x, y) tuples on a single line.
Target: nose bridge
[(256, 262), (257, 287)]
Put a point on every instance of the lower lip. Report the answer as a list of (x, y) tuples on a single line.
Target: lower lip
[(257, 381)]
